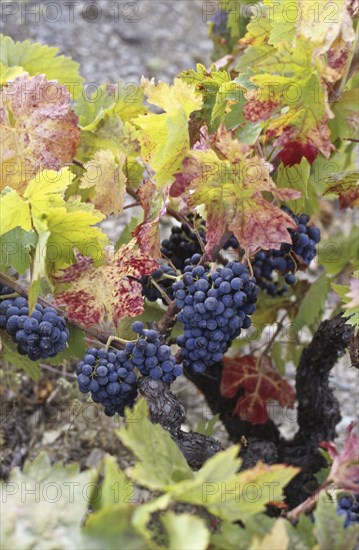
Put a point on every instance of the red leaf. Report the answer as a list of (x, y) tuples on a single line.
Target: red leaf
[(261, 383), (106, 292), (294, 151)]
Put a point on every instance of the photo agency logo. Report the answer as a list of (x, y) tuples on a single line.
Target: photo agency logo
[(27, 12)]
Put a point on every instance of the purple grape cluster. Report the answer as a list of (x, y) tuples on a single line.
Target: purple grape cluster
[(214, 306), (304, 241), (110, 376), (152, 356), (348, 506), (152, 293), (40, 335), (183, 243)]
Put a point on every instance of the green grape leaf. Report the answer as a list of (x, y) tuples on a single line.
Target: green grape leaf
[(313, 303), (345, 123), (230, 495), (126, 234), (116, 488), (216, 88), (298, 177), (164, 138), (162, 465), (185, 531), (11, 202), (15, 247), (329, 527), (111, 528), (124, 100), (339, 251), (71, 230), (50, 515), (38, 59)]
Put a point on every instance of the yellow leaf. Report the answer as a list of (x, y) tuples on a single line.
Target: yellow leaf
[(70, 230), (277, 539), (164, 137), (46, 189), (107, 179), (14, 212)]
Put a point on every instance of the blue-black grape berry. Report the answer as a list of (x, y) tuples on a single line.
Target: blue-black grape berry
[(215, 306), (150, 291), (348, 506), (285, 260), (183, 242), (40, 335), (152, 356), (111, 376)]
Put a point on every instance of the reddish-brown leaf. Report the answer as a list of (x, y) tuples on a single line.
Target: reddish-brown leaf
[(260, 382), (154, 204), (39, 129), (106, 293)]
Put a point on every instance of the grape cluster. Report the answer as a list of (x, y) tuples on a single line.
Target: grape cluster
[(152, 356), (183, 243), (348, 506), (110, 376), (152, 293), (304, 240), (214, 306), (40, 335)]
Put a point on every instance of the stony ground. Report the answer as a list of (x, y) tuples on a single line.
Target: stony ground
[(117, 40)]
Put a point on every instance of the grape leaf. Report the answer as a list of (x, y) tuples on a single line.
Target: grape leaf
[(329, 527), (108, 291), (39, 129), (313, 303), (261, 383), (105, 178), (37, 59), (216, 88), (126, 234), (345, 123), (47, 189), (164, 137), (230, 495), (154, 204), (339, 251), (277, 538), (124, 100), (50, 514), (344, 184), (15, 246), (162, 464), (11, 202), (185, 531), (298, 177), (344, 471), (350, 297), (229, 180), (9, 73)]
